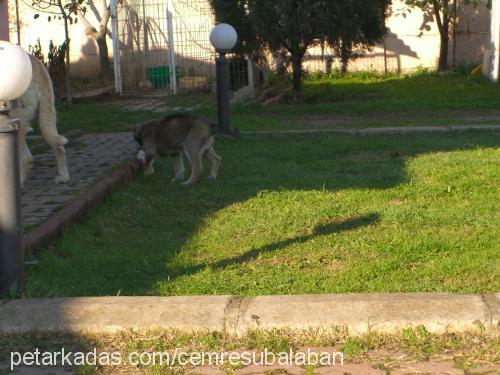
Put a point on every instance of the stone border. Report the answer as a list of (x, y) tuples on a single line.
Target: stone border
[(359, 313), (396, 130), (77, 209)]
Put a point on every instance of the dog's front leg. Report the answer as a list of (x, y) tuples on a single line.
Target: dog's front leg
[(178, 167), (148, 169)]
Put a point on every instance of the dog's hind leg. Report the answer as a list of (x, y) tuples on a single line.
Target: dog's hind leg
[(25, 157), (193, 153), (62, 165), (214, 161), (178, 167), (47, 119)]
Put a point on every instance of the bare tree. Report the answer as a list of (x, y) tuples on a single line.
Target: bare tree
[(98, 33), (62, 9)]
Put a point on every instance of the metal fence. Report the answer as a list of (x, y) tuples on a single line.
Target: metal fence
[(162, 47)]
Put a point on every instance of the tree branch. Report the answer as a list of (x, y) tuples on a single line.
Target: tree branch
[(437, 14)]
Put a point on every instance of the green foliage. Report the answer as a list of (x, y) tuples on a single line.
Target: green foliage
[(297, 25), (36, 51), (444, 12), (55, 63), (235, 13)]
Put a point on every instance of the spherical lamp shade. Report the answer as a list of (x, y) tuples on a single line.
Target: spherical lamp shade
[(223, 37), (15, 71)]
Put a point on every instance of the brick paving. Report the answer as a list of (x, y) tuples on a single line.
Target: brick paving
[(90, 157), (148, 103)]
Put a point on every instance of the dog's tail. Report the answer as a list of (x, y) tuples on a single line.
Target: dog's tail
[(47, 110)]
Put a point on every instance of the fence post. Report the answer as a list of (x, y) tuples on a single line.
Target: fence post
[(116, 48), (251, 81), (11, 250), (171, 47)]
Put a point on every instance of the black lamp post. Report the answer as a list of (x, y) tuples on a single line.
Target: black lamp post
[(223, 37), (15, 77)]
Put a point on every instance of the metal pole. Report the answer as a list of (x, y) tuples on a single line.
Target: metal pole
[(222, 73), (171, 47), (251, 81), (11, 251), (116, 48)]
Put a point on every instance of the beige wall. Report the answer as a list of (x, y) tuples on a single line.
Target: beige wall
[(412, 41), (83, 49)]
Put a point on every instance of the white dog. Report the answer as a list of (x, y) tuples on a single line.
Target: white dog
[(39, 99)]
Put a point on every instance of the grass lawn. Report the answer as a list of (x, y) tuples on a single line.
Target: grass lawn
[(355, 100), (296, 214)]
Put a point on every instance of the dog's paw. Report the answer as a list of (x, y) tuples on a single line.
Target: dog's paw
[(61, 179)]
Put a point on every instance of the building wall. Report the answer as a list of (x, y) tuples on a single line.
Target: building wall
[(83, 49), (4, 20), (412, 40)]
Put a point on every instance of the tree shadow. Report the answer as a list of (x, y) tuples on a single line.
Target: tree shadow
[(320, 230), (136, 238)]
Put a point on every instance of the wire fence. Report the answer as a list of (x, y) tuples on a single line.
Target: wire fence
[(157, 37)]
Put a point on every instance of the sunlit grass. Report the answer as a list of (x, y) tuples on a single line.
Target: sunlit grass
[(296, 214)]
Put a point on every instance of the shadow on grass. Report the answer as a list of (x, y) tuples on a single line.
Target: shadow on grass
[(131, 243), (320, 230)]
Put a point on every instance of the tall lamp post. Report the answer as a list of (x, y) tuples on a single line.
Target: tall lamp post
[(15, 77), (223, 37)]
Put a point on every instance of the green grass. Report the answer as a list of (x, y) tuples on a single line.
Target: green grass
[(293, 214), (352, 100), (385, 351)]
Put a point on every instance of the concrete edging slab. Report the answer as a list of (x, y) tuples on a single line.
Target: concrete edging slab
[(360, 313)]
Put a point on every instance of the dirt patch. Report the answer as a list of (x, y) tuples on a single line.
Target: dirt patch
[(422, 118)]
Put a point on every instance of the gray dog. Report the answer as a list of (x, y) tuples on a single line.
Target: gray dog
[(172, 135)]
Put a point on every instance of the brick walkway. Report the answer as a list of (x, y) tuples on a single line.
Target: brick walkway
[(148, 103), (90, 157)]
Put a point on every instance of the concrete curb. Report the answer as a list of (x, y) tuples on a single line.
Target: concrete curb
[(380, 131), (359, 313), (78, 208)]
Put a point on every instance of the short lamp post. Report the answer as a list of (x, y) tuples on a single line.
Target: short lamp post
[(15, 77), (223, 37)]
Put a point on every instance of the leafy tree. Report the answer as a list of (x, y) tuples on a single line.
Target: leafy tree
[(444, 12), (292, 24), (355, 29), (295, 25), (236, 13)]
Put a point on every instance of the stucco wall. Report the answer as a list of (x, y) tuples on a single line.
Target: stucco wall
[(412, 40), (4, 20), (83, 49)]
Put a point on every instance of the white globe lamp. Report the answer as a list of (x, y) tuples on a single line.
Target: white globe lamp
[(15, 71), (223, 37)]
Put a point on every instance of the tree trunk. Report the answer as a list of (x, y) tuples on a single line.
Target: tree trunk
[(344, 58), (454, 48), (103, 55), (100, 37), (297, 75), (443, 53), (67, 78), (101, 41)]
